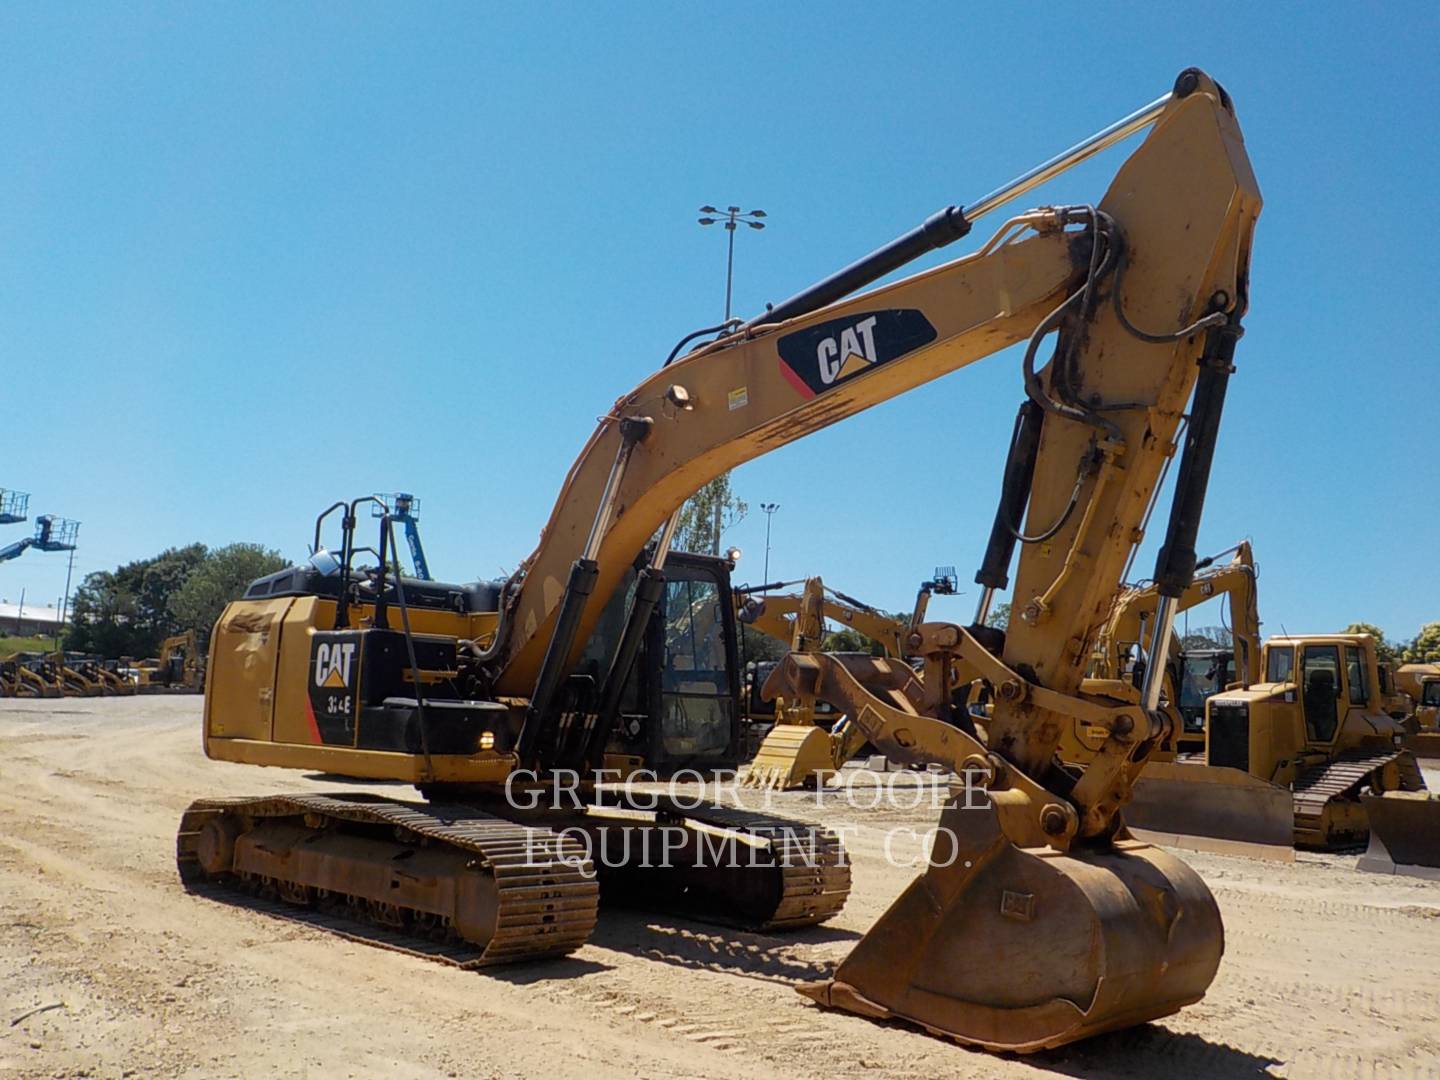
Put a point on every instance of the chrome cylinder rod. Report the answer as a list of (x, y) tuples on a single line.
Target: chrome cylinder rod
[(982, 609), (1158, 654), (667, 537), (1067, 159)]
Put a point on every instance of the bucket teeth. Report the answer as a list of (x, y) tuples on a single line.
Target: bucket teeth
[(791, 756)]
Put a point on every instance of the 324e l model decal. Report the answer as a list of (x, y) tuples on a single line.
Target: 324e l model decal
[(823, 356)]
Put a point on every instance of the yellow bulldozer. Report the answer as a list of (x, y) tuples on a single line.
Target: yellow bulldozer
[(1288, 759), (1418, 684), (1039, 920)]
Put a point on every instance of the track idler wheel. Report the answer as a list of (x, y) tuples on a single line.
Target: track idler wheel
[(1023, 949)]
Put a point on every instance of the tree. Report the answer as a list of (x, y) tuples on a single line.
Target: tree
[(1425, 648), (851, 640), (760, 647), (999, 617), (126, 611), (1208, 637), (223, 577), (1385, 650), (714, 504)]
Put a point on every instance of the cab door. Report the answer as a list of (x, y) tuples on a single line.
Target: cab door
[(1321, 689)]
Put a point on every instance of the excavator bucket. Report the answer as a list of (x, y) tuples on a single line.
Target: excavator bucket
[(1404, 834), (1209, 808), (1023, 949), (791, 756)]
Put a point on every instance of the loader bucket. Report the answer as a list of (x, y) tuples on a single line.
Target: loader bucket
[(1404, 834), (1423, 744), (1210, 808), (791, 756), (1023, 949)]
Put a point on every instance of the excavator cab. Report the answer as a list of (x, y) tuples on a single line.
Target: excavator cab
[(681, 705), (1203, 673)]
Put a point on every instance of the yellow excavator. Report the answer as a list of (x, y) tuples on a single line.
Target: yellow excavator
[(1040, 921), (797, 753), (180, 668)]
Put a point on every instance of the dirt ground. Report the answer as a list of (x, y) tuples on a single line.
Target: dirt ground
[(1327, 972)]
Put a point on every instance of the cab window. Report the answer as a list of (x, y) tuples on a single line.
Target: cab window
[(1280, 664), (1431, 694), (1355, 673), (1320, 682)]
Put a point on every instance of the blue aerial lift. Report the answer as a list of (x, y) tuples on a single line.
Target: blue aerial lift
[(404, 508), (14, 506), (51, 534)]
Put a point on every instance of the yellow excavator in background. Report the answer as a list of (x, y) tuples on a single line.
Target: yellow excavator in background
[(180, 668), (1201, 672), (796, 752), (1039, 921)]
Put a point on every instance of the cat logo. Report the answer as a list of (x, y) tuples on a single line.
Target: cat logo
[(850, 355), (821, 357), (332, 664)]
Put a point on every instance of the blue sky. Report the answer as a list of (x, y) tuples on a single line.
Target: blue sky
[(254, 258)]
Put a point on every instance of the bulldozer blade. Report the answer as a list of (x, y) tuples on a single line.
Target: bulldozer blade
[(1423, 744), (791, 756), (1025, 949), (1404, 834), (1210, 808)]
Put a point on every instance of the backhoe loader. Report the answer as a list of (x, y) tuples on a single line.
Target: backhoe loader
[(1049, 923)]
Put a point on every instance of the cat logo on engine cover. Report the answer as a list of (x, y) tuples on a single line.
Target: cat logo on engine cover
[(335, 675), (821, 357)]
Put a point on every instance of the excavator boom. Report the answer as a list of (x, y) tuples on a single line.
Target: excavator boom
[(1045, 878)]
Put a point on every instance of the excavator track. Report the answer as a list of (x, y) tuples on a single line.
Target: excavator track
[(815, 873), (482, 890), (733, 867), (1343, 777)]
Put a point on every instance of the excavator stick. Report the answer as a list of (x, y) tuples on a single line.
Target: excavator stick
[(1205, 808), (791, 756), (1404, 834)]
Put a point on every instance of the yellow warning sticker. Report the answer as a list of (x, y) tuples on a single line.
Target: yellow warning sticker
[(739, 398)]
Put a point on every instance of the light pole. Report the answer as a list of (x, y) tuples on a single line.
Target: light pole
[(769, 509), (731, 216), (65, 603)]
